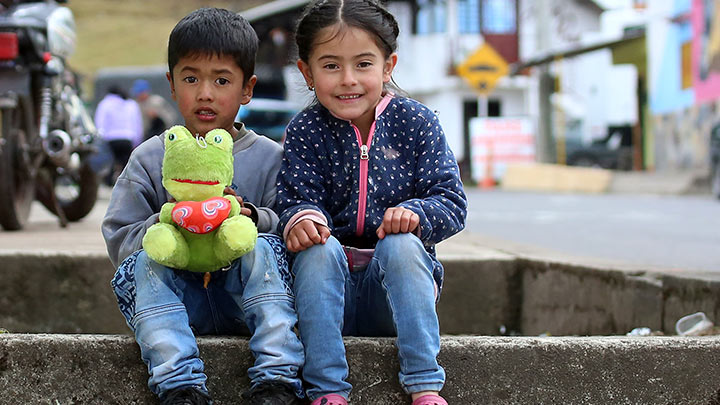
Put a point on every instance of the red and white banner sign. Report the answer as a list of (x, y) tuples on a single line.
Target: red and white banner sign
[(496, 142)]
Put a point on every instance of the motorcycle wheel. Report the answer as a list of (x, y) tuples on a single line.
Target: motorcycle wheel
[(75, 191), (17, 183)]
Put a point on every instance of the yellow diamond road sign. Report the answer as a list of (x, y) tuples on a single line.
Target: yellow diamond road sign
[(483, 68)]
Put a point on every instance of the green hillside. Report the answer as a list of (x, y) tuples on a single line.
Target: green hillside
[(130, 32)]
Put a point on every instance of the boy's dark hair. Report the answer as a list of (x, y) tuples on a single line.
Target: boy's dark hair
[(368, 15), (214, 31)]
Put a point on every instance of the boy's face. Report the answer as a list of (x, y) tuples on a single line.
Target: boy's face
[(209, 90)]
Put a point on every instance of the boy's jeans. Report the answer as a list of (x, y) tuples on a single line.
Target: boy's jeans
[(394, 296), (165, 306)]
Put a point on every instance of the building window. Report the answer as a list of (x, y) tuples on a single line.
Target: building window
[(499, 17), (494, 17), (686, 65), (431, 16), (469, 16)]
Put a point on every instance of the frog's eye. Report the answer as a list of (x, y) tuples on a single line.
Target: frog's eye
[(218, 139), (171, 137)]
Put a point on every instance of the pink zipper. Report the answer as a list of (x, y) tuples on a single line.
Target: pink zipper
[(364, 160)]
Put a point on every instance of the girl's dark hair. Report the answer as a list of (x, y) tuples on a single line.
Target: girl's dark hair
[(368, 15), (214, 31)]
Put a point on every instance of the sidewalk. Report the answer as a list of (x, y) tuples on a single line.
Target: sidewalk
[(687, 182), (558, 178)]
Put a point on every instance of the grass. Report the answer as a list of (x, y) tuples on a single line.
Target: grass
[(130, 32)]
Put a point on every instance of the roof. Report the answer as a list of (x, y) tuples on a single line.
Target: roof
[(546, 58), (271, 8), (592, 4)]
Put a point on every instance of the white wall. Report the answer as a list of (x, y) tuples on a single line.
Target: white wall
[(566, 21)]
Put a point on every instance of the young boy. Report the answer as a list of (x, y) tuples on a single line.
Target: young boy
[(211, 58)]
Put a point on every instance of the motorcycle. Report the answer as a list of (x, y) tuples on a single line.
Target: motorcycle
[(47, 136)]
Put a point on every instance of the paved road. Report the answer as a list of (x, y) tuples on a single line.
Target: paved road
[(646, 231)]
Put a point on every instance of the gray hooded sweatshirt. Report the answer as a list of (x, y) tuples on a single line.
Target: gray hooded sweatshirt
[(139, 194)]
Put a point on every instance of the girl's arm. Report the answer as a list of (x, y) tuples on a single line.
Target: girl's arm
[(300, 186), (441, 203)]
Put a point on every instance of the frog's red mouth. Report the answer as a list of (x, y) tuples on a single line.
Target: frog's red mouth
[(208, 183)]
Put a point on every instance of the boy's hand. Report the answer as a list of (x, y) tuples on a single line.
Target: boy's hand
[(398, 220), (243, 210), (305, 234)]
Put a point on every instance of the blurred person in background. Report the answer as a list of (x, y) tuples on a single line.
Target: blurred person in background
[(157, 113), (119, 121)]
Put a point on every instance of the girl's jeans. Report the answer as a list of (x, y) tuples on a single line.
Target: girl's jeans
[(393, 296), (165, 307)]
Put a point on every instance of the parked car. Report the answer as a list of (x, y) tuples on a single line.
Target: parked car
[(614, 151), (715, 161), (267, 116)]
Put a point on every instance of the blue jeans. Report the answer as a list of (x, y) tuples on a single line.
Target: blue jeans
[(393, 296), (166, 308)]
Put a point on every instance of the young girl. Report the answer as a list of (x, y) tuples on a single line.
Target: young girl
[(367, 187)]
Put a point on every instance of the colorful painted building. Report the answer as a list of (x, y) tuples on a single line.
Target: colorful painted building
[(684, 81)]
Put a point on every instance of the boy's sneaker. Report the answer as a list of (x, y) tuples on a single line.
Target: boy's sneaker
[(187, 396), (272, 393)]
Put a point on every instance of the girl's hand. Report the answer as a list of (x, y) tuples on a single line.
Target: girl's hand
[(243, 210), (398, 220), (305, 234)]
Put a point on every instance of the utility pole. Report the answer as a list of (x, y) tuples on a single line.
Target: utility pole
[(544, 144)]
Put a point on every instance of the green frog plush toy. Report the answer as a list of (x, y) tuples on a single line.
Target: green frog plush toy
[(202, 230)]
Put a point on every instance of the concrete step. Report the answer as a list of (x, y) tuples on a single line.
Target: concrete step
[(106, 369), (483, 294)]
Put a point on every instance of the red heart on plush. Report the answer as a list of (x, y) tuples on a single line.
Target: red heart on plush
[(201, 216)]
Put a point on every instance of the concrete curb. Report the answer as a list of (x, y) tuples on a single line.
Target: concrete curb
[(488, 295), (102, 369), (484, 294)]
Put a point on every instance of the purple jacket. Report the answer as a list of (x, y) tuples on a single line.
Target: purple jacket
[(119, 118)]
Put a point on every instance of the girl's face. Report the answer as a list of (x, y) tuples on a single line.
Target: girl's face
[(348, 71)]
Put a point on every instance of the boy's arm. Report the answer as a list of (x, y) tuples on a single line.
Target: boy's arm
[(134, 204), (256, 171), (267, 218), (441, 202)]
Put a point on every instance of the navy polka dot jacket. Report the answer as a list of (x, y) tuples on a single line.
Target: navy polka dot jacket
[(406, 162)]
